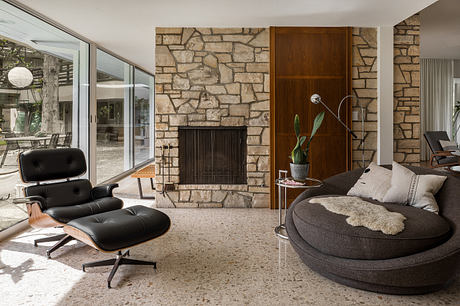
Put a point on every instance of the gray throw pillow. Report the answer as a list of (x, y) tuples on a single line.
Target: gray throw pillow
[(447, 145), (415, 190), (373, 183)]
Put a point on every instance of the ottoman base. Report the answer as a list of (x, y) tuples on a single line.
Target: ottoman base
[(119, 230), (116, 262), (61, 239)]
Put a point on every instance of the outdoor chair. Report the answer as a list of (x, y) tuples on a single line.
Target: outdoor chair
[(442, 158), (53, 141), (67, 141)]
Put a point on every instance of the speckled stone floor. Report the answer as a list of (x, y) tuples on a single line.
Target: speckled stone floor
[(210, 256)]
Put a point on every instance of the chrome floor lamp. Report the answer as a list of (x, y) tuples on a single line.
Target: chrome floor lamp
[(316, 99)]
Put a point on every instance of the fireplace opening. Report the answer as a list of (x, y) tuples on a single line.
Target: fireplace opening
[(212, 155)]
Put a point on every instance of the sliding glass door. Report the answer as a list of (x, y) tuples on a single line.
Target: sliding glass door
[(143, 116), (47, 101), (43, 97), (114, 125)]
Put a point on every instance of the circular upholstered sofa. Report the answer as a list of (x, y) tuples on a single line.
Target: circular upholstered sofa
[(423, 258)]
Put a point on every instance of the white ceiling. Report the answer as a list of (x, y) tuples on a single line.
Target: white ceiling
[(127, 27), (440, 30)]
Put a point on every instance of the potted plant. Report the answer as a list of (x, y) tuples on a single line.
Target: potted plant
[(299, 156)]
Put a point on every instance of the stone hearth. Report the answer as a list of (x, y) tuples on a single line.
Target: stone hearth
[(214, 77)]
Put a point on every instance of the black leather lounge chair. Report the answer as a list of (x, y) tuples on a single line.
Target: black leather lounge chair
[(90, 215), (54, 204)]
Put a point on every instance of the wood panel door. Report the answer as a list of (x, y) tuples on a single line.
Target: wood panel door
[(305, 61)]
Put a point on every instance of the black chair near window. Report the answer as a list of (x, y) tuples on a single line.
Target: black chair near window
[(53, 141), (90, 215), (438, 155), (67, 141), (56, 204)]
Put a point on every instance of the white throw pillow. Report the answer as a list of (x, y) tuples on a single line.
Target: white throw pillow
[(447, 145), (373, 183), (415, 190)]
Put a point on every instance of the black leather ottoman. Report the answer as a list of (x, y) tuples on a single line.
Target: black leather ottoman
[(117, 230)]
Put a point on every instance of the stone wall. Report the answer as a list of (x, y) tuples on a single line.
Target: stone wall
[(407, 91), (364, 74), (214, 77)]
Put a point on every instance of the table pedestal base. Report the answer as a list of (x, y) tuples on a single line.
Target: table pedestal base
[(280, 231)]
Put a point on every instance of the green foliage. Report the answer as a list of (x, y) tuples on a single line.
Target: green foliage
[(299, 155), (20, 123), (35, 123)]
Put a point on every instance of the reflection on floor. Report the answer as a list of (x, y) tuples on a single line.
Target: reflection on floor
[(110, 159), (10, 213), (210, 256)]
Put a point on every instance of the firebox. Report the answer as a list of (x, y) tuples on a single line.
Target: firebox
[(212, 155)]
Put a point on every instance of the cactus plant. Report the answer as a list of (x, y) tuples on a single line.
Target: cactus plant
[(299, 155)]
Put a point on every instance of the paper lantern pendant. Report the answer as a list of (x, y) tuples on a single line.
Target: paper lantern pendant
[(20, 77)]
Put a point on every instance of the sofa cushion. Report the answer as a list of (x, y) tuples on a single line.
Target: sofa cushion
[(373, 183), (415, 190), (330, 234)]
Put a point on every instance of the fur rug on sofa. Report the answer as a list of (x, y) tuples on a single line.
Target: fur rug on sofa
[(363, 213)]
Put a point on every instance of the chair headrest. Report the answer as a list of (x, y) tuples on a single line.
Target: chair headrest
[(433, 138), (51, 164)]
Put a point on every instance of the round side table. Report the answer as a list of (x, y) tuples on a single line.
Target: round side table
[(284, 182)]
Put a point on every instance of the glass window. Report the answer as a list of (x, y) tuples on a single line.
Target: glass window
[(143, 116), (114, 133), (43, 96)]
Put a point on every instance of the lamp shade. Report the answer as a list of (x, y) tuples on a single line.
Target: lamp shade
[(20, 77)]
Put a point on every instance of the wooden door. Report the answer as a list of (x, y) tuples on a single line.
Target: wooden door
[(305, 61)]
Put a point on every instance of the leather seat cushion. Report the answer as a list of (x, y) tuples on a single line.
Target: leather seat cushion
[(329, 232), (65, 214), (123, 228), (448, 160)]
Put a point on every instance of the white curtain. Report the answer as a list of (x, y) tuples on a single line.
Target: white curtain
[(436, 95)]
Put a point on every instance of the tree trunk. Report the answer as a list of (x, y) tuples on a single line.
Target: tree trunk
[(50, 106)]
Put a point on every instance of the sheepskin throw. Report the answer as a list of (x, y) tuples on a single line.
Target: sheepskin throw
[(363, 213)]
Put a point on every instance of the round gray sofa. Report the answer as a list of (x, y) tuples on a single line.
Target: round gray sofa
[(425, 266)]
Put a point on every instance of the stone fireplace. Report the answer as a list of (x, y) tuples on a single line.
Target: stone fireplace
[(212, 155), (215, 79)]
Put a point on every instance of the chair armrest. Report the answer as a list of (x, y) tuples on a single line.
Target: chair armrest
[(103, 191), (31, 200), (443, 153)]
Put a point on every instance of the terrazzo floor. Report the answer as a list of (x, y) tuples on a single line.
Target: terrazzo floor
[(209, 257)]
